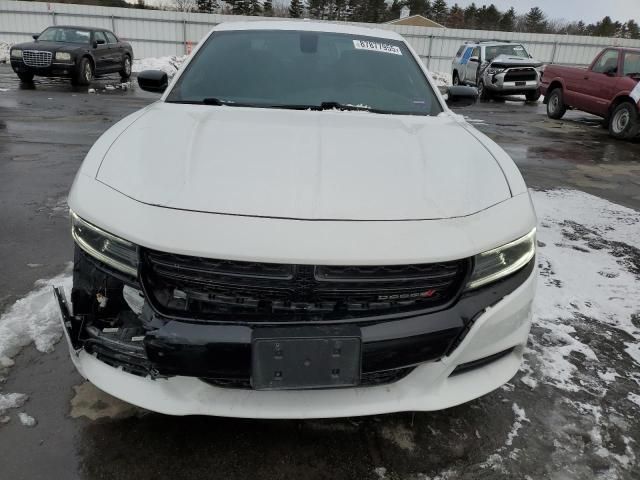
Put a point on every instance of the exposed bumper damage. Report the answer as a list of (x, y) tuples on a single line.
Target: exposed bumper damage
[(510, 75), (127, 333)]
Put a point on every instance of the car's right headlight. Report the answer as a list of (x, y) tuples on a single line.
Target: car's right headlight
[(105, 247), (15, 53), (494, 70), (63, 56), (502, 261)]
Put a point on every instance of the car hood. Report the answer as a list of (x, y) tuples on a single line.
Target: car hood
[(303, 164), (51, 46), (507, 61)]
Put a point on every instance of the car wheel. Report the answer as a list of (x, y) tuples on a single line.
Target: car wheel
[(624, 121), (26, 77), (555, 105), (456, 78), (84, 75), (483, 93), (533, 95), (125, 73)]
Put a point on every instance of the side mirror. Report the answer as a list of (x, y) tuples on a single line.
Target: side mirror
[(461, 96), (98, 42), (611, 72), (36, 36), (474, 59), (155, 81)]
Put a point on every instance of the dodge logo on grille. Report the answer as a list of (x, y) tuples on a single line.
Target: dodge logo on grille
[(405, 296)]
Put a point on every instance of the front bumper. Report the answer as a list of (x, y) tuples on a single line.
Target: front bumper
[(497, 84), (171, 371), (53, 70)]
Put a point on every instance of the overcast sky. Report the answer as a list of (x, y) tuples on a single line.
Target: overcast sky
[(586, 10)]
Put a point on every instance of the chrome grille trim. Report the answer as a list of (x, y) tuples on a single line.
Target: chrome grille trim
[(37, 58)]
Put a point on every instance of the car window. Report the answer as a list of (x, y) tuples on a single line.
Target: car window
[(65, 35), (263, 68), (511, 50), (99, 36), (608, 62), (631, 63), (111, 37), (460, 50), (476, 52)]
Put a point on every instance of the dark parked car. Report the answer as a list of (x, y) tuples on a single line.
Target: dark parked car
[(78, 53)]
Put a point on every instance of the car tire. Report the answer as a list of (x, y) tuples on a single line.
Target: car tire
[(533, 95), (456, 78), (84, 74), (555, 104), (125, 73), (483, 93), (26, 77), (623, 123)]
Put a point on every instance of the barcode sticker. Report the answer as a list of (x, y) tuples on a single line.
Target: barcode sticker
[(376, 47)]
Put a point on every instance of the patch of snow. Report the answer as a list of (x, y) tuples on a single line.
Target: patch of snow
[(34, 318), (11, 400), (609, 375), (27, 420), (5, 419), (91, 90), (109, 87), (381, 472), (5, 362), (169, 65), (495, 461), (517, 424), (634, 397), (4, 90), (4, 51), (441, 79), (581, 242)]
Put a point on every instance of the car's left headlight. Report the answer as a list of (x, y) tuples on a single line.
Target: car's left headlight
[(64, 56), (104, 246), (502, 261), (15, 53), (493, 71)]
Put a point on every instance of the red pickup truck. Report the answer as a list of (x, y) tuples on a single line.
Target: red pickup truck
[(609, 88)]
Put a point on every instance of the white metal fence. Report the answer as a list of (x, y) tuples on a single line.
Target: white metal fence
[(157, 33)]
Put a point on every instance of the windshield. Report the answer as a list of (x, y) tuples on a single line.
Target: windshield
[(511, 50), (65, 35), (294, 69)]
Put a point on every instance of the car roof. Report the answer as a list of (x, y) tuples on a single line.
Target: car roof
[(77, 27), (309, 26)]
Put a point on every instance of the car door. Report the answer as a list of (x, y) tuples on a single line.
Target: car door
[(599, 85), (471, 75), (101, 52), (464, 60), (116, 51)]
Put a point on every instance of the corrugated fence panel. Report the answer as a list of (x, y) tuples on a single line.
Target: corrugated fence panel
[(156, 33)]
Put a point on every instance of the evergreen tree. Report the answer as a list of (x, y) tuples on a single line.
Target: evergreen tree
[(508, 21), (394, 10), (490, 17), (296, 9), (604, 28), (456, 17), (267, 8), (419, 7), (205, 6), (316, 8), (439, 11), (255, 8), (535, 21), (633, 30), (470, 16)]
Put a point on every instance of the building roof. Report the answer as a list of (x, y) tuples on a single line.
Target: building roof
[(416, 21)]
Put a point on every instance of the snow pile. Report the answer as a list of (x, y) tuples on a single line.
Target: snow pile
[(441, 79), (34, 318), (4, 51), (11, 400), (587, 247), (27, 420), (170, 65)]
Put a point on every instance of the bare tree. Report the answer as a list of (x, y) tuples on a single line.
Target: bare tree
[(184, 5)]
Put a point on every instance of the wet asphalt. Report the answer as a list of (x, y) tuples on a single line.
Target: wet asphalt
[(45, 131)]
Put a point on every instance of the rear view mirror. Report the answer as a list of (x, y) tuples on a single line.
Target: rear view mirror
[(461, 96), (155, 81)]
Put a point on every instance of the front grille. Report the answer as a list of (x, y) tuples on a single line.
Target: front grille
[(520, 75), (36, 58), (223, 290), (370, 379)]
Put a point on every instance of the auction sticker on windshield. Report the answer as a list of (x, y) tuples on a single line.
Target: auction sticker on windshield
[(376, 47)]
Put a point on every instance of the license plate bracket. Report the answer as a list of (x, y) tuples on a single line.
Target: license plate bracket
[(305, 358), (520, 84)]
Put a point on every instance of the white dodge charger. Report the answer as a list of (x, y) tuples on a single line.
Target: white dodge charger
[(299, 227)]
